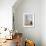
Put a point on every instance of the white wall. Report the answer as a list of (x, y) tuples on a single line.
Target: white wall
[(30, 33), (38, 33), (43, 22), (6, 13)]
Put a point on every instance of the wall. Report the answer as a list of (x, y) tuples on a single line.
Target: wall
[(43, 22), (6, 13), (33, 33)]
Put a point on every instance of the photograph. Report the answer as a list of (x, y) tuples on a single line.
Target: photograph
[(28, 20)]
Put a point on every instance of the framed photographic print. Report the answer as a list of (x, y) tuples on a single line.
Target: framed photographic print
[(28, 19)]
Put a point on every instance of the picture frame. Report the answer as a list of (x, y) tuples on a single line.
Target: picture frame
[(28, 19)]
